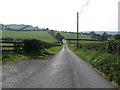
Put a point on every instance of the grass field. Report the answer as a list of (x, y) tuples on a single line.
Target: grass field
[(29, 28), (22, 27), (74, 36), (16, 27), (41, 35), (83, 42)]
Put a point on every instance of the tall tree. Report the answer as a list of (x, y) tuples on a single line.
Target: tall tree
[(59, 37), (93, 35), (104, 36)]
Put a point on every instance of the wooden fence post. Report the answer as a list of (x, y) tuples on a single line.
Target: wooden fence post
[(15, 48)]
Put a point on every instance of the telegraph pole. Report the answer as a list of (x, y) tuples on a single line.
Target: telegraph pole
[(85, 5), (119, 17), (77, 30)]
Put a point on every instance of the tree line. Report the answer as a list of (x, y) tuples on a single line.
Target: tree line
[(104, 36)]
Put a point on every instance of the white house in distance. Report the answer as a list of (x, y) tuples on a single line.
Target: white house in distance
[(1, 26)]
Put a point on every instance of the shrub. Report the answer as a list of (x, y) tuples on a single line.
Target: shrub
[(31, 45), (111, 46), (35, 46)]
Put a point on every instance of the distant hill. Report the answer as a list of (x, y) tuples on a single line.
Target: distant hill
[(20, 27), (101, 32)]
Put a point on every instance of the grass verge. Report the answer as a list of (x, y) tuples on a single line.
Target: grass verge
[(107, 63), (43, 54)]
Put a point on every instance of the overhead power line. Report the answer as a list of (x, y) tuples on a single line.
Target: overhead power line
[(84, 6), (82, 9)]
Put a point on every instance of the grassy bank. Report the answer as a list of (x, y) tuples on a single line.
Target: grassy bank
[(105, 62), (43, 54), (55, 49)]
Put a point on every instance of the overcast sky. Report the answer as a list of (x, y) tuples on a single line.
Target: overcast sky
[(99, 15)]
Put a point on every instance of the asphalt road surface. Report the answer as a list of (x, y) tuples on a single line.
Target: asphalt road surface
[(64, 70)]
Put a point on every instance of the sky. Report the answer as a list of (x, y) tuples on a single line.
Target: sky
[(61, 15)]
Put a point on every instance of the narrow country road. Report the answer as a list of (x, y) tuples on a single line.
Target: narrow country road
[(64, 70)]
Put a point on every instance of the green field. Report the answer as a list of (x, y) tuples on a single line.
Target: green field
[(21, 27), (83, 42), (7, 44), (41, 35), (30, 28), (16, 27), (74, 36)]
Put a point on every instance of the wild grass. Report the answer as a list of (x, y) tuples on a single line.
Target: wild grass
[(16, 57)]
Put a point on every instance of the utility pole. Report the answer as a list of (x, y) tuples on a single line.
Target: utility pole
[(119, 17), (77, 30), (85, 5)]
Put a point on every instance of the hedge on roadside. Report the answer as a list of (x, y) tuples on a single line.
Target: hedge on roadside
[(111, 46), (34, 45)]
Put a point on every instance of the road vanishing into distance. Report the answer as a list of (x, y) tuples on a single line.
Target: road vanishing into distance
[(64, 70)]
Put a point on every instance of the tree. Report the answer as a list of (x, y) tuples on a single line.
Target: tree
[(59, 37), (97, 36), (93, 35), (117, 37), (47, 28), (104, 36), (52, 32)]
